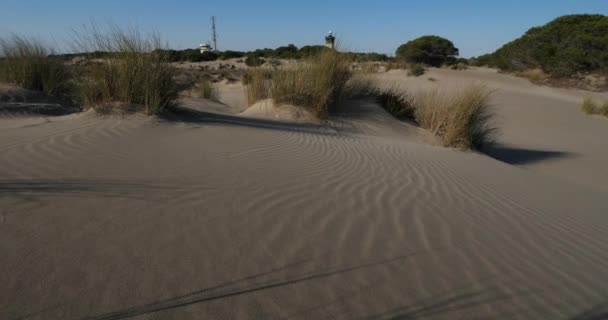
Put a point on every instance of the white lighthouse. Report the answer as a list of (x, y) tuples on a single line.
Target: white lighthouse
[(330, 41)]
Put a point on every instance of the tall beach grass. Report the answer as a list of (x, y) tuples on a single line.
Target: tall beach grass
[(134, 72), (316, 83), (462, 120), (27, 63)]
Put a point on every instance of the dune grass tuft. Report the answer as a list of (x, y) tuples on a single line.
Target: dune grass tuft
[(462, 120), (316, 83), (205, 90), (590, 106), (27, 63), (134, 72), (396, 102), (257, 82)]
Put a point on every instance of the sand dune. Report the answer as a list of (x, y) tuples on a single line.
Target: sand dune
[(214, 214)]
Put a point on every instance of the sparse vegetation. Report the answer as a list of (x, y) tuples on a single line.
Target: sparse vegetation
[(395, 65), (534, 75), (459, 66), (429, 50), (135, 74), (461, 121), (28, 64), (590, 106)]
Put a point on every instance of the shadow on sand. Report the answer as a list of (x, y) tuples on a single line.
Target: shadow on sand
[(192, 116), (32, 188), (519, 156), (599, 312)]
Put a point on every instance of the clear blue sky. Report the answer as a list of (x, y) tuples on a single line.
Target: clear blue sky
[(475, 26)]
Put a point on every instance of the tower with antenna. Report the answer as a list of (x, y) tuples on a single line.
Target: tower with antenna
[(213, 34)]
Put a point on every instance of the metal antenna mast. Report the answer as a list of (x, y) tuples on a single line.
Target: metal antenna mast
[(214, 35)]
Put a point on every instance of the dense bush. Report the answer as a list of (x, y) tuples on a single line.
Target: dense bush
[(231, 54), (287, 52), (430, 50), (567, 45), (27, 63), (308, 51)]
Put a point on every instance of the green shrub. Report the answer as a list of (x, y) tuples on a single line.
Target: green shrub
[(136, 73), (27, 63), (429, 50), (416, 70), (254, 61)]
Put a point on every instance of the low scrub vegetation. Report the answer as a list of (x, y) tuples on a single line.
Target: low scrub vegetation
[(590, 106), (28, 64), (317, 83), (534, 75), (137, 73)]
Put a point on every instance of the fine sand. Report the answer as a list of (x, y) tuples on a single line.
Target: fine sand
[(217, 214)]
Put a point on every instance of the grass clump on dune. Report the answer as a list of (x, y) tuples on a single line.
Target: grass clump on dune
[(397, 103), (257, 82), (205, 90), (589, 106), (462, 120), (316, 83), (26, 63), (135, 72)]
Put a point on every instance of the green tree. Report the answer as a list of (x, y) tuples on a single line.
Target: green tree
[(429, 50)]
